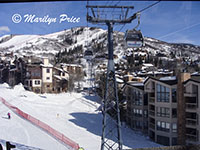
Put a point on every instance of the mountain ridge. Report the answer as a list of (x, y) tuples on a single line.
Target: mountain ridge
[(89, 38)]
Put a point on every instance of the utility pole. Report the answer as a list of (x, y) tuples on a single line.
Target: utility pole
[(111, 130)]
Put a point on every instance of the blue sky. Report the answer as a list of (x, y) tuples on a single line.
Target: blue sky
[(169, 21)]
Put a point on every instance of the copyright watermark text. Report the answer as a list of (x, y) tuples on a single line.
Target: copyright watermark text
[(31, 18)]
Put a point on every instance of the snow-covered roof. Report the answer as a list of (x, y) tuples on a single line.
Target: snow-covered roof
[(119, 80), (148, 65), (48, 66), (137, 83), (140, 53), (128, 75), (74, 65), (59, 69), (14, 69), (168, 78), (60, 78), (195, 73)]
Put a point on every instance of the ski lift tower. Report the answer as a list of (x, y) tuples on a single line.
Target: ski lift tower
[(111, 132)]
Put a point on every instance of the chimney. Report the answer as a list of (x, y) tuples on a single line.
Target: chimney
[(182, 77), (46, 61)]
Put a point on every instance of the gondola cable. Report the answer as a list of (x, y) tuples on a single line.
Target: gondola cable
[(138, 14), (88, 54), (149, 6)]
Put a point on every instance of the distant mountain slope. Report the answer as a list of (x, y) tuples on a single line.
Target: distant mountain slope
[(88, 38)]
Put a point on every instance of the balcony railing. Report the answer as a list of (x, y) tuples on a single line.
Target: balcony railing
[(151, 112), (191, 122), (191, 106), (152, 126), (152, 99), (193, 138), (188, 94)]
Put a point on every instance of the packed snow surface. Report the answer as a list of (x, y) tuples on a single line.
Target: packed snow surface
[(76, 115)]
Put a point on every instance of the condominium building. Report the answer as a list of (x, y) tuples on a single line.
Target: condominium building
[(43, 77), (137, 106), (166, 108), (162, 109), (33, 81), (192, 110)]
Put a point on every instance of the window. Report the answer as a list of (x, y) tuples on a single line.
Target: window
[(37, 82), (48, 70), (137, 97), (158, 124), (134, 111), (138, 124), (35, 73), (137, 112), (162, 93), (145, 124), (145, 113), (63, 74), (174, 127), (145, 99), (174, 96), (163, 112), (48, 78), (163, 140), (163, 126), (174, 113), (167, 126), (174, 141), (140, 111), (194, 89)]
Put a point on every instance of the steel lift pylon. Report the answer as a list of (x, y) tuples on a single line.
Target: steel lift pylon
[(111, 127)]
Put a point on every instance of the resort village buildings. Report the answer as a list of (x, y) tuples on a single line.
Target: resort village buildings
[(38, 75), (161, 104)]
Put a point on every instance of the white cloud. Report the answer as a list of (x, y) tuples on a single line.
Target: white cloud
[(4, 29)]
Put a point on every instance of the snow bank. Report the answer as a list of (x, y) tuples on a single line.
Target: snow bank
[(4, 85), (19, 88)]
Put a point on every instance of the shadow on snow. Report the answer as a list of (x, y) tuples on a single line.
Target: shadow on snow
[(93, 124)]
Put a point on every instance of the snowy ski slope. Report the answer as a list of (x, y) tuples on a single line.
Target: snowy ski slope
[(76, 115)]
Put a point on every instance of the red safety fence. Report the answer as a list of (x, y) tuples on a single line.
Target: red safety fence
[(44, 126)]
